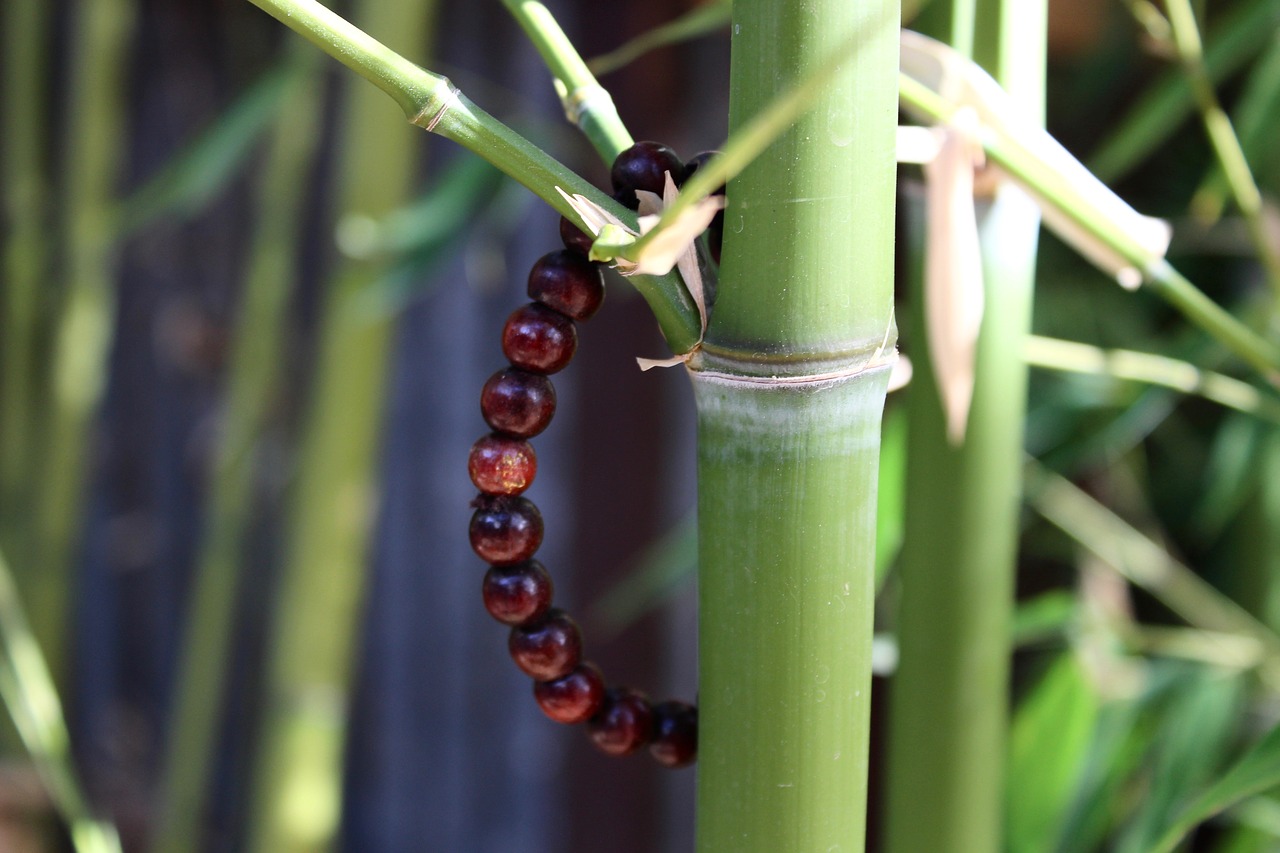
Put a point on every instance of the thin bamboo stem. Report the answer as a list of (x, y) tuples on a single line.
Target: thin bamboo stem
[(786, 458), (1152, 369), (433, 103), (1226, 146), (949, 697), (83, 335), (252, 384), (297, 781), (587, 104)]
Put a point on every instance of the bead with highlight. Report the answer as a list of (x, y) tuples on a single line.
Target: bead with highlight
[(519, 594), (675, 734), (499, 465), (517, 402), (547, 649), (624, 722), (567, 282), (575, 698), (505, 530), (539, 339)]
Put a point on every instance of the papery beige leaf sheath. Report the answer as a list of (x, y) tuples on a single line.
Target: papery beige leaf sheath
[(953, 270)]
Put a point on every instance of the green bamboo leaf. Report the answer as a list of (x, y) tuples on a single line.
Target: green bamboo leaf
[(1044, 617), (695, 23), (1256, 772), (1232, 475), (1048, 747), (666, 565), (1195, 731), (30, 696), (1162, 111), (184, 185)]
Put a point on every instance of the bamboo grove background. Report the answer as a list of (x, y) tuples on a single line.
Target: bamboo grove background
[(243, 301)]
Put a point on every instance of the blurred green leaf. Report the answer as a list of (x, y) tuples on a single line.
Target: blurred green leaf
[(1231, 476), (1257, 771), (668, 563), (1048, 743), (1045, 617), (1196, 730), (197, 173), (1160, 113), (698, 21)]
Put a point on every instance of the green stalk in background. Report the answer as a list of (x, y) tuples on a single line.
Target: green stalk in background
[(252, 386), (25, 251), (790, 387), (90, 169), (949, 697), (297, 784)]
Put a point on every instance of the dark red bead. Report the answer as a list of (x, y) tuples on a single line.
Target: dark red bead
[(547, 649), (574, 238), (518, 402), (575, 698), (642, 167), (502, 466), (624, 722), (567, 282), (539, 339), (675, 734), (519, 594), (505, 530)]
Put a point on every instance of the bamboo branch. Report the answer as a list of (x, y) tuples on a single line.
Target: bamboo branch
[(433, 103)]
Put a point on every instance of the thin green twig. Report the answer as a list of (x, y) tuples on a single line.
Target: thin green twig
[(1222, 136), (698, 21), (587, 104), (433, 103), (1153, 370), (1143, 562)]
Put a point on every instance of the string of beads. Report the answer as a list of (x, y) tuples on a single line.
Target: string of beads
[(518, 402)]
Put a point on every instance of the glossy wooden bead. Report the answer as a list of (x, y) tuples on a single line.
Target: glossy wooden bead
[(500, 465), (539, 339), (574, 238), (574, 698), (643, 167), (567, 282), (675, 734), (624, 722), (518, 402), (548, 648), (505, 530), (519, 594)]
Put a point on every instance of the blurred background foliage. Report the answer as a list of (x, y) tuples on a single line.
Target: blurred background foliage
[(247, 311)]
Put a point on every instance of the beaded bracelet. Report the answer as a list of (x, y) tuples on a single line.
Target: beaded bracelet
[(518, 402)]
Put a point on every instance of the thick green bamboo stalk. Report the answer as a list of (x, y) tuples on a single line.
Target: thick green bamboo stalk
[(949, 696), (252, 386), (298, 778), (82, 339), (790, 387)]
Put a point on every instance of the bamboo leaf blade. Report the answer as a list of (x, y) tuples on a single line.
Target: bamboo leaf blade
[(1161, 112), (29, 694), (697, 22), (185, 184)]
